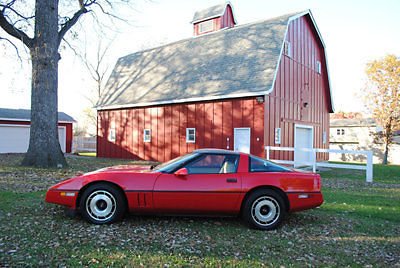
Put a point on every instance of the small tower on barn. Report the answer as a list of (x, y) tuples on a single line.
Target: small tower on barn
[(213, 19)]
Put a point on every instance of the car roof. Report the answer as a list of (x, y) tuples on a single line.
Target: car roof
[(214, 151)]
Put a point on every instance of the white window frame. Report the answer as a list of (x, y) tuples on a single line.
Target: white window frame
[(111, 134), (147, 137), (278, 135), (287, 50), (319, 68), (188, 140), (206, 26)]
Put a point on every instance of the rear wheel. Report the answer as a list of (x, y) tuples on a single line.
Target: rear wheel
[(102, 203), (264, 209)]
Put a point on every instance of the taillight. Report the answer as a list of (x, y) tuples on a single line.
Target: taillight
[(317, 182)]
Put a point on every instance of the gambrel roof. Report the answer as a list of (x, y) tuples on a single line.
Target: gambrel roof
[(237, 62)]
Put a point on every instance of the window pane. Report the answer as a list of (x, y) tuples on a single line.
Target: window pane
[(213, 164), (261, 165), (190, 135)]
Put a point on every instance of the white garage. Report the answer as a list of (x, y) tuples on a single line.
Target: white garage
[(15, 138), (15, 130)]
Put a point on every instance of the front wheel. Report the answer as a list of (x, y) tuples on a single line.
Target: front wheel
[(264, 209), (102, 203)]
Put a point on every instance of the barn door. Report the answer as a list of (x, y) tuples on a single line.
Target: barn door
[(242, 140), (303, 142)]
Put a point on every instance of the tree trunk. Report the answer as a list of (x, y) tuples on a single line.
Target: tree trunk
[(44, 148), (385, 156)]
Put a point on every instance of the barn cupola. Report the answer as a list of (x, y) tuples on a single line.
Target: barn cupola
[(213, 19)]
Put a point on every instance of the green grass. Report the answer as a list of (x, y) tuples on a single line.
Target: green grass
[(358, 225), (381, 173)]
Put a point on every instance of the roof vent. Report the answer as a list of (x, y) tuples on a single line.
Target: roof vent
[(213, 19)]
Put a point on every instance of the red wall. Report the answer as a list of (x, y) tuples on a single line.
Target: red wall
[(68, 130), (297, 82), (214, 122)]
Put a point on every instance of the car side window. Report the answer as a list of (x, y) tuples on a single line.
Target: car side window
[(261, 165), (213, 164)]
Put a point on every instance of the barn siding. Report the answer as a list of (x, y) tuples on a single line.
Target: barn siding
[(214, 122), (297, 81)]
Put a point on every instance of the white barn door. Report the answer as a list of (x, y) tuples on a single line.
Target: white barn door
[(303, 142), (242, 140)]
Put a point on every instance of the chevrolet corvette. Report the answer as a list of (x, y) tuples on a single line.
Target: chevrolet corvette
[(209, 182)]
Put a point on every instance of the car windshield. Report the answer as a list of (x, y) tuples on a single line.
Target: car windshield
[(173, 164)]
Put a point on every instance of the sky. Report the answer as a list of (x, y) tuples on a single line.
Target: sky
[(354, 31)]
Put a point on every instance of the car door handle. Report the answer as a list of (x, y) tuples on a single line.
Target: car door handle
[(231, 180)]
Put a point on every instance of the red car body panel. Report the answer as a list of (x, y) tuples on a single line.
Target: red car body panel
[(196, 194)]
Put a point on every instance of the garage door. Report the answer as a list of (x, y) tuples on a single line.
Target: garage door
[(15, 138), (303, 142)]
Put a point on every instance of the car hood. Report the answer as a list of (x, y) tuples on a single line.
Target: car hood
[(125, 168)]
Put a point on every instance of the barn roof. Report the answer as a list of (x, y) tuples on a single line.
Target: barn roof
[(25, 115), (238, 62), (211, 12)]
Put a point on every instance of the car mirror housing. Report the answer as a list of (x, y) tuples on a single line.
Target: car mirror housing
[(181, 172)]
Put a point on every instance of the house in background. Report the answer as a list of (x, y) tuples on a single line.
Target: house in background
[(15, 130), (235, 87), (358, 135)]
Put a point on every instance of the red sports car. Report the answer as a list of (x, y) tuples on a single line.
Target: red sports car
[(204, 182)]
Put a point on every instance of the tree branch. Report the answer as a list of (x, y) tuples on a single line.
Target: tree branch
[(71, 22), (11, 43), (14, 32)]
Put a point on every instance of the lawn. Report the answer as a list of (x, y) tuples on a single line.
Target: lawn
[(358, 225)]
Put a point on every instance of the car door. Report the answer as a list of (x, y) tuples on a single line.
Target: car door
[(211, 186)]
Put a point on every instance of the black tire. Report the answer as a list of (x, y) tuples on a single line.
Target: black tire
[(264, 209), (102, 203)]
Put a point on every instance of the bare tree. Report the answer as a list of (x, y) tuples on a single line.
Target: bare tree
[(41, 29)]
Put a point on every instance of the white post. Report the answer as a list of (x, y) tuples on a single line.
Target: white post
[(267, 148), (314, 160), (369, 166)]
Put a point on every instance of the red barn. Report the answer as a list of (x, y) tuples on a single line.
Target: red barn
[(238, 87), (15, 130)]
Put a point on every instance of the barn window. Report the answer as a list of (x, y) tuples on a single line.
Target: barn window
[(206, 26), (191, 135), (287, 49), (324, 137), (318, 67), (277, 136), (340, 132), (147, 135), (111, 135)]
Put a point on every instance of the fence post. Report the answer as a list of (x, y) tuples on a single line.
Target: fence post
[(369, 167), (314, 160), (267, 148)]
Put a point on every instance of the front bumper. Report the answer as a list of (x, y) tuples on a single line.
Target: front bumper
[(62, 197)]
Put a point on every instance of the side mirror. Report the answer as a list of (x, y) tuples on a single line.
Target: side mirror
[(181, 172)]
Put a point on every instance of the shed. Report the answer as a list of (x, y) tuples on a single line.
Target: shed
[(15, 130), (238, 88)]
